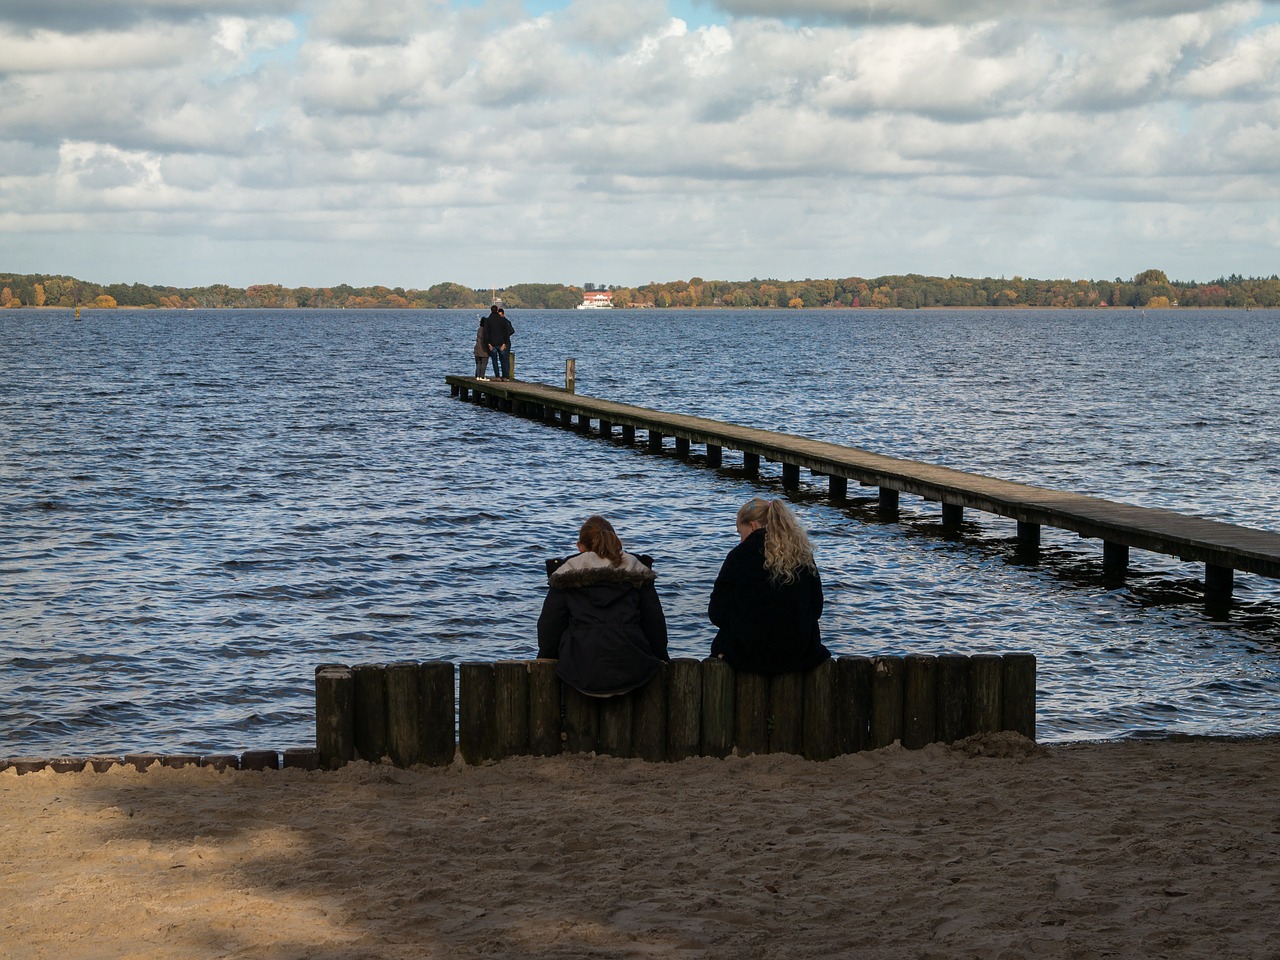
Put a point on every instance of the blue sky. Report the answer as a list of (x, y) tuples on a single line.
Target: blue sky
[(410, 142)]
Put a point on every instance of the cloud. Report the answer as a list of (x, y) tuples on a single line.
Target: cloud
[(614, 136)]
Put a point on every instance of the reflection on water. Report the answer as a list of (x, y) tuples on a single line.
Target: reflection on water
[(198, 508)]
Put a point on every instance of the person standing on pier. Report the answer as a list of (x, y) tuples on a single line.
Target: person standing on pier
[(481, 352), (767, 597), (497, 336), (602, 618)]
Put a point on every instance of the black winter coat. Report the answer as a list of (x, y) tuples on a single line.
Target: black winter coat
[(603, 623), (765, 627)]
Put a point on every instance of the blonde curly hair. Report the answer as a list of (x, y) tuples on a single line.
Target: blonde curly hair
[(787, 549)]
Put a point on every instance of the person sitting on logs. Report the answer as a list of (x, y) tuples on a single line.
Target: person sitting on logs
[(767, 597), (602, 618)]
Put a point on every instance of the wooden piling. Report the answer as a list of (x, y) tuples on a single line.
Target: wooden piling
[(649, 718), (510, 708), (544, 709), (404, 714), (581, 721), (985, 701), (952, 711), (476, 711), (719, 690), (886, 700), (370, 711), (820, 728), (615, 726), (715, 456), (438, 737), (786, 713), (853, 704), (335, 715), (684, 708), (751, 714), (920, 701), (1018, 694)]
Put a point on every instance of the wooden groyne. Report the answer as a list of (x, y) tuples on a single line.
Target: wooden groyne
[(405, 712), (1223, 548)]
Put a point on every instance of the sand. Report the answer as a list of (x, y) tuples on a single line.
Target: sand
[(994, 848)]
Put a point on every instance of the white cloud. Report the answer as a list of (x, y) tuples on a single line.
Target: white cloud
[(612, 139)]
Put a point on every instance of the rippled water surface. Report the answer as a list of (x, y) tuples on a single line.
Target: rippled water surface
[(197, 508)]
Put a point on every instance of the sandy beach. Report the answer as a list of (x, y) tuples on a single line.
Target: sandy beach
[(993, 848)]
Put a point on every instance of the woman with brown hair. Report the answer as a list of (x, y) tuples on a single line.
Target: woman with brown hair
[(602, 618)]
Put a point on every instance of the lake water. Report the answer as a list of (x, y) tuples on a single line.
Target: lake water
[(198, 507)]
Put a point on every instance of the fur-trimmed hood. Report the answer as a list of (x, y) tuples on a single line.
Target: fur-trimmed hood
[(589, 569)]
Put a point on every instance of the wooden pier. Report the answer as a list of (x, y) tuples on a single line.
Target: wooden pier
[(1223, 548)]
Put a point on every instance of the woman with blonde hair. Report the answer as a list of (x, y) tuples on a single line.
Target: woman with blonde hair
[(767, 597), (602, 618)]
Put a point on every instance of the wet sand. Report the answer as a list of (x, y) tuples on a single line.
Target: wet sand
[(992, 848)]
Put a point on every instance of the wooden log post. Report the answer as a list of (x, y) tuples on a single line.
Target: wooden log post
[(786, 713), (887, 505), (952, 517), (584, 423), (853, 704), (820, 726), (985, 701), (751, 714), (1028, 542), (615, 726), (476, 696), (404, 714), (751, 464), (715, 456), (581, 721), (510, 708), (684, 708), (655, 441), (628, 433), (371, 711), (335, 716), (544, 709), (837, 488), (438, 738), (1018, 693), (606, 429), (1115, 562), (790, 476), (886, 700), (682, 448), (952, 711), (719, 691), (920, 701), (649, 718)]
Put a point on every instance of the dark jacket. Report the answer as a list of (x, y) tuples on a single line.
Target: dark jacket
[(497, 330), (603, 623), (765, 627)]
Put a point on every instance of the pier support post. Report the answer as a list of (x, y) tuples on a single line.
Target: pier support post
[(606, 429), (655, 441), (952, 517), (751, 464), (715, 456), (790, 476), (837, 488), (1115, 561), (1218, 583), (628, 433), (682, 448), (1028, 542), (888, 506), (584, 423)]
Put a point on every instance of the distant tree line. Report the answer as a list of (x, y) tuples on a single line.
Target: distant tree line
[(1151, 288)]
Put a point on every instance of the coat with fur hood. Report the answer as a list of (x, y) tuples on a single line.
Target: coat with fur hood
[(603, 623)]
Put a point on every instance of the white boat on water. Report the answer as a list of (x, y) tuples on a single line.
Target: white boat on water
[(596, 300)]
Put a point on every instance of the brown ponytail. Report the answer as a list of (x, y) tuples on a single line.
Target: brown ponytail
[(598, 536)]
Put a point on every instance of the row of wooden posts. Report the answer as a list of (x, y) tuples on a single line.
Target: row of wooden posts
[(405, 712)]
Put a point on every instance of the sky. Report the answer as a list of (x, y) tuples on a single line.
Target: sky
[(413, 142)]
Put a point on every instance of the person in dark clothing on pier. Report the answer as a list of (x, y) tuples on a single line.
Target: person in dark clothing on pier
[(767, 597), (497, 336), (602, 618)]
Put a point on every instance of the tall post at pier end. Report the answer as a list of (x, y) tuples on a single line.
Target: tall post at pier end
[(570, 375)]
